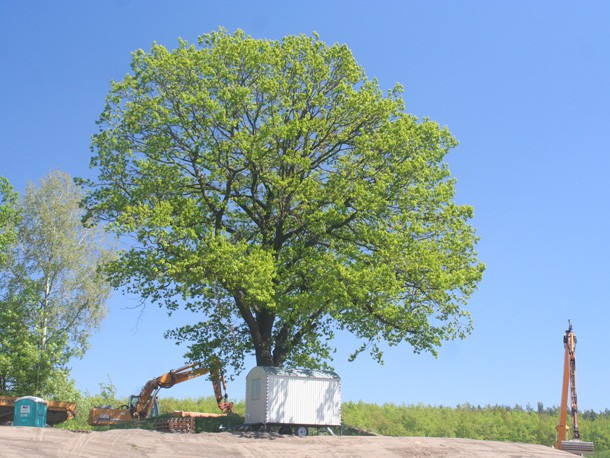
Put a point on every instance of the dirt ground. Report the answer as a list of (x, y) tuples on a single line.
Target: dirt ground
[(18, 442)]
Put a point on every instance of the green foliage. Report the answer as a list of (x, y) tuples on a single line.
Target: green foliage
[(85, 402), (201, 404), (9, 215), (51, 292), (497, 423), (274, 189)]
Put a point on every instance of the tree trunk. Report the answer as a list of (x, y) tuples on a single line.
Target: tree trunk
[(263, 345), (263, 356), (260, 324)]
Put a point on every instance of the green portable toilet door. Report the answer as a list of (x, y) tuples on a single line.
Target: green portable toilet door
[(30, 411)]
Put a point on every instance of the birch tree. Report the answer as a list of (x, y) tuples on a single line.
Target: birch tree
[(53, 294)]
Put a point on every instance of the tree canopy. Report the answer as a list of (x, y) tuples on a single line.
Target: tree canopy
[(52, 294), (276, 191)]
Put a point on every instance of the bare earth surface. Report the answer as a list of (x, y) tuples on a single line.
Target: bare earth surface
[(17, 442)]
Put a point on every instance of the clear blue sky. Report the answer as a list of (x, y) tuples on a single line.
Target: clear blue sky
[(524, 86)]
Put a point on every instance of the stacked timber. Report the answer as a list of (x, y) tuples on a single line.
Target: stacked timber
[(185, 425)]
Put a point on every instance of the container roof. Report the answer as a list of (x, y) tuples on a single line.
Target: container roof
[(294, 372), (32, 398)]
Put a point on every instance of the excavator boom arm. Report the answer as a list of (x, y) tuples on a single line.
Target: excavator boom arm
[(221, 400), (569, 384), (149, 392)]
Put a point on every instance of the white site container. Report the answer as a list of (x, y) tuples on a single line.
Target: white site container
[(279, 396)]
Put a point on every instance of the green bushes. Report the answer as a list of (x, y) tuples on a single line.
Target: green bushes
[(499, 423), (203, 404)]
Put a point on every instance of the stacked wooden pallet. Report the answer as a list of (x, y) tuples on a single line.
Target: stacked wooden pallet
[(176, 425)]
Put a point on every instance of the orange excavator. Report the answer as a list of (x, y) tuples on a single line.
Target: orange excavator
[(575, 445), (144, 405)]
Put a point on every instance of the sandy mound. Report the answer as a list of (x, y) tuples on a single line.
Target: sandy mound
[(20, 442)]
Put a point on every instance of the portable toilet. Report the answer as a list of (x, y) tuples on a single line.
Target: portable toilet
[(30, 411), (293, 397)]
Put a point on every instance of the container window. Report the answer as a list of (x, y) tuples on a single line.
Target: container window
[(256, 389)]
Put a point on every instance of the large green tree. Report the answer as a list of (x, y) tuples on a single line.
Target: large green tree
[(272, 188), (52, 294), (8, 218)]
